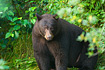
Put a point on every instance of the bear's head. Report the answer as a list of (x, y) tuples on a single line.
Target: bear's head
[(47, 25)]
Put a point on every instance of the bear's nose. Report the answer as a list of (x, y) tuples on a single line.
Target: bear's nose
[(49, 36)]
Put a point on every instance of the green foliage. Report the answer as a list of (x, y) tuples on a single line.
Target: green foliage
[(26, 63), (96, 37), (21, 56), (2, 64)]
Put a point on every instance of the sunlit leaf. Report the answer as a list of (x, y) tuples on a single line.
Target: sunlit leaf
[(32, 8), (82, 36), (85, 39), (80, 20), (26, 11), (90, 54), (73, 2), (33, 21), (2, 65), (94, 39), (1, 12), (14, 19), (12, 35), (5, 9), (25, 22), (20, 18), (16, 34), (7, 35), (102, 1)]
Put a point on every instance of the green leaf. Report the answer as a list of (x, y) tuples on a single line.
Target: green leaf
[(12, 23), (20, 18), (16, 27), (25, 22), (90, 54), (8, 35), (26, 11), (14, 19), (0, 27), (5, 9), (9, 18), (16, 34), (10, 13), (102, 1), (33, 21), (32, 8), (2, 65), (31, 1), (12, 35), (5, 67), (1, 12)]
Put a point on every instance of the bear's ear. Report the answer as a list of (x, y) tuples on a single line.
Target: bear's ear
[(56, 16), (38, 17)]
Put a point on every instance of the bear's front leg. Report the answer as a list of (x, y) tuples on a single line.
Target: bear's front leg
[(61, 62), (41, 53), (60, 53), (43, 61)]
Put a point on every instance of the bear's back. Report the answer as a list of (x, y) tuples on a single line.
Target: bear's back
[(70, 28)]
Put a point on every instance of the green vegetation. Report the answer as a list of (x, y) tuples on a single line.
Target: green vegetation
[(2, 65), (17, 18)]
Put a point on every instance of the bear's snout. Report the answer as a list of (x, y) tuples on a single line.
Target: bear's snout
[(48, 35)]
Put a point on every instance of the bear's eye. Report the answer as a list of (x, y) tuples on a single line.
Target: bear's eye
[(46, 27)]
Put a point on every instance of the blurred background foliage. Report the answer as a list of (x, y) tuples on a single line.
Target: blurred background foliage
[(17, 18)]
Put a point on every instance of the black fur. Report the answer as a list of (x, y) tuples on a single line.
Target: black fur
[(63, 50)]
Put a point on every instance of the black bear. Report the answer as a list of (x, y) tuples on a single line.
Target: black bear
[(55, 45)]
